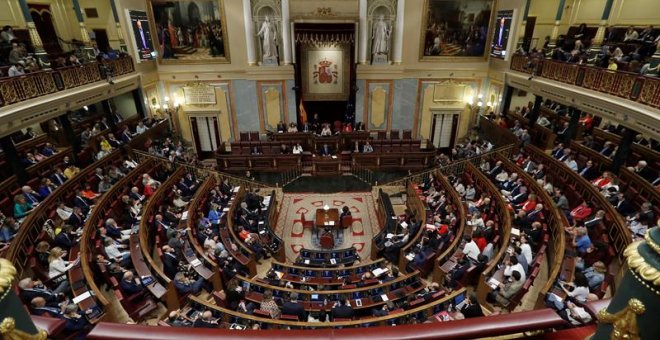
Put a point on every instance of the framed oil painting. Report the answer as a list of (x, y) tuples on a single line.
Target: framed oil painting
[(190, 31), (455, 28)]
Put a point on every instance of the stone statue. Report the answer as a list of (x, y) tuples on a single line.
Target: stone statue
[(381, 36), (268, 33)]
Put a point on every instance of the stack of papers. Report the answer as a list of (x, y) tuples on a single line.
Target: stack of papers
[(333, 261), (379, 271), (195, 262), (404, 225), (184, 215), (493, 283), (384, 297), (78, 299), (236, 189), (515, 231)]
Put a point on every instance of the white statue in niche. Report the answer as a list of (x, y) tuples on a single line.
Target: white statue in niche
[(268, 33), (381, 36)]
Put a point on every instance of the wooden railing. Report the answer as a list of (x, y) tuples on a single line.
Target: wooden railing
[(459, 230), (628, 85), (96, 215), (420, 210), (32, 85), (504, 219)]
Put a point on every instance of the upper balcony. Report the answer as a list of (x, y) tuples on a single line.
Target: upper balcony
[(36, 97), (627, 98)]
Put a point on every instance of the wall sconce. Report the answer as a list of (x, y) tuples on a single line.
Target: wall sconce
[(326, 207)]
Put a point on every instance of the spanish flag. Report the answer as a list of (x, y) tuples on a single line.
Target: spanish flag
[(303, 113)]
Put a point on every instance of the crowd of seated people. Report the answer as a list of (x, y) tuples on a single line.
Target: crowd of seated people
[(631, 52), (48, 291), (317, 127), (528, 220), (469, 148), (441, 226), (608, 185), (208, 230), (249, 216)]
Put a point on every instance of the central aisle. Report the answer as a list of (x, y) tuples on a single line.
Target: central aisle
[(290, 228)]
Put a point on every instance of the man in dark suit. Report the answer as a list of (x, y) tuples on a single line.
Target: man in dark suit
[(471, 309), (205, 321), (81, 202), (40, 308), (293, 307), (343, 310), (30, 289), (184, 285), (58, 177), (170, 261), (325, 150), (495, 170), (77, 219), (128, 284), (520, 197), (65, 239), (623, 205), (588, 171), (594, 220)]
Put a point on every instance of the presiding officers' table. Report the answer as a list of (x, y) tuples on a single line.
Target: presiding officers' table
[(327, 218)]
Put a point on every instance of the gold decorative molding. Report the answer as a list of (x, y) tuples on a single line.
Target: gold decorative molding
[(624, 322), (651, 243), (9, 331), (7, 275), (324, 12), (638, 264)]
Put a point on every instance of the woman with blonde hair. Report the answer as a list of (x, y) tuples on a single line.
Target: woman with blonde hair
[(57, 269)]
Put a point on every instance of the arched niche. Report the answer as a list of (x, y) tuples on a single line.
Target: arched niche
[(376, 9), (260, 10)]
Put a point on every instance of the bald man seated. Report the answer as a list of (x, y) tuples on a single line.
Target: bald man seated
[(206, 321)]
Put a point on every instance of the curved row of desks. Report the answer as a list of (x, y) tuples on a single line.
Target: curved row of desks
[(503, 218), (556, 222)]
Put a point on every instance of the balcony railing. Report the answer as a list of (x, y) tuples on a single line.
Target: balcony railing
[(633, 86), (32, 85)]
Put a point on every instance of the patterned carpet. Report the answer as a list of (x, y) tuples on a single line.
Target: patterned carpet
[(290, 228)]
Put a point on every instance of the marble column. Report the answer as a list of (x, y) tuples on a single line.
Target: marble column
[(521, 29), (600, 34), (40, 53), (286, 33), (120, 35), (555, 29), (364, 32), (249, 33), (397, 53), (81, 22)]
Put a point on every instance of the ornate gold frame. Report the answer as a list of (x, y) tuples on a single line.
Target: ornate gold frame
[(423, 58), (211, 60)]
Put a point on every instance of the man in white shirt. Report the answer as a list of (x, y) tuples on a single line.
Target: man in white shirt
[(297, 149), (511, 265), (367, 148), (471, 250), (526, 249), (16, 70)]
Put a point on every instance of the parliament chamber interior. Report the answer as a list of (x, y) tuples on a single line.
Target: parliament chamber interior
[(426, 169)]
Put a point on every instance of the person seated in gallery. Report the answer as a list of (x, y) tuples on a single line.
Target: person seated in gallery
[(348, 128), (297, 149), (281, 127), (292, 128), (325, 150), (284, 149), (367, 148), (326, 130), (256, 150)]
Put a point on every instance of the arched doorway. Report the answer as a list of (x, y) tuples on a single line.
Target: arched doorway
[(43, 21)]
